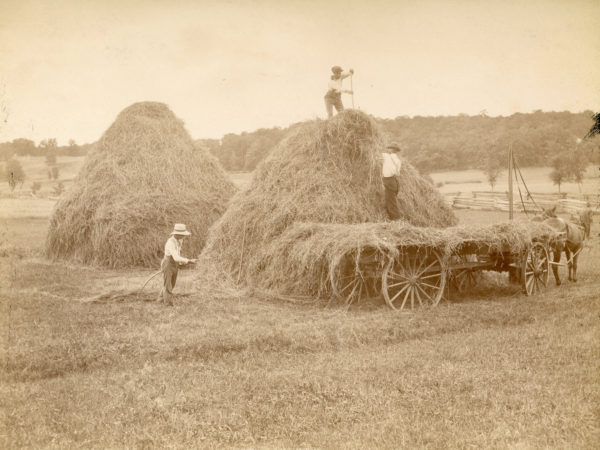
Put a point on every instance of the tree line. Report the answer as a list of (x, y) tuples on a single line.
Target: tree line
[(47, 148), (447, 142), (438, 143)]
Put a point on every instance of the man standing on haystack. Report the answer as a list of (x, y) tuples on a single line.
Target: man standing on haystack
[(390, 170), (171, 262), (333, 97)]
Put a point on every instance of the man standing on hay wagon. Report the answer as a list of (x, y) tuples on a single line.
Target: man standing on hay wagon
[(333, 97), (171, 262), (390, 170)]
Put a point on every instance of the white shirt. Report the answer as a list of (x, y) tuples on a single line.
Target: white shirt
[(336, 85), (173, 248), (391, 164)]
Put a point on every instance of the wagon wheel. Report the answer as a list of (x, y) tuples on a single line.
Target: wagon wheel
[(535, 269), (417, 277), (350, 287), (465, 279)]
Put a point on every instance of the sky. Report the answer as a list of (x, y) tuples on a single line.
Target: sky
[(68, 67)]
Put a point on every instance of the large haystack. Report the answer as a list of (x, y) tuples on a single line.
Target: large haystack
[(144, 175), (326, 172)]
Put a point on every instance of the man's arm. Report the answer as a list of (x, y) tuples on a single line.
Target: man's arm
[(174, 251), (347, 74)]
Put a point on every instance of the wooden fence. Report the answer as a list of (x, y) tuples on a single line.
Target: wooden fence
[(484, 200)]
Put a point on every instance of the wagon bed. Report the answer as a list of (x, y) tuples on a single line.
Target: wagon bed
[(412, 266)]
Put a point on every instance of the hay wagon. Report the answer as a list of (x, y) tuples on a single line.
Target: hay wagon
[(419, 275)]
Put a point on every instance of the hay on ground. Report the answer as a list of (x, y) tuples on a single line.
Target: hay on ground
[(327, 172), (144, 175)]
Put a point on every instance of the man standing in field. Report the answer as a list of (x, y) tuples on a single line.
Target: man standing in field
[(171, 262), (390, 170), (333, 97)]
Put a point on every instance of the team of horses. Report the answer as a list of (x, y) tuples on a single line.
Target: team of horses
[(574, 232)]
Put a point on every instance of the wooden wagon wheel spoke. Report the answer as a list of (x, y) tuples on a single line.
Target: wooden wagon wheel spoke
[(530, 285), (400, 283), (535, 269), (399, 292), (432, 286), (421, 262), (433, 275), (354, 284), (349, 286), (400, 276), (466, 277), (425, 294), (418, 276), (405, 298), (426, 268)]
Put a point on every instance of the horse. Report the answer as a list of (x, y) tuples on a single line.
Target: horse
[(575, 234), (545, 214)]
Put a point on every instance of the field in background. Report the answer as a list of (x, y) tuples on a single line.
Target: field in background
[(491, 368), (36, 170), (537, 178)]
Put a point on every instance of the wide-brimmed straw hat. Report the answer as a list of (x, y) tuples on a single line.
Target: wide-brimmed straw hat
[(336, 69), (180, 229)]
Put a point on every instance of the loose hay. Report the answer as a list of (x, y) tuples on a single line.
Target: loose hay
[(327, 172), (317, 254), (144, 175)]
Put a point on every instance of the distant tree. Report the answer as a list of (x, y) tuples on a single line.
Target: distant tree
[(560, 171), (14, 173), (35, 187), (55, 172), (58, 189), (23, 147), (576, 166), (492, 170), (558, 177), (49, 148)]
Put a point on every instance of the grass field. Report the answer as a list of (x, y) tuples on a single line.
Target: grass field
[(491, 369), (537, 178), (36, 170)]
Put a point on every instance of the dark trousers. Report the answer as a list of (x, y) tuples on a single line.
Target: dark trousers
[(332, 100), (391, 197), (169, 269)]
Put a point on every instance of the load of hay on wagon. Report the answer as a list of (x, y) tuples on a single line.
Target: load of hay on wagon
[(352, 260), (327, 172), (144, 175)]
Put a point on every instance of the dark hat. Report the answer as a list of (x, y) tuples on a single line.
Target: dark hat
[(336, 69), (394, 146)]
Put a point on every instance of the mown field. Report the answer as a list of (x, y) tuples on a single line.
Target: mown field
[(489, 369), (537, 178)]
